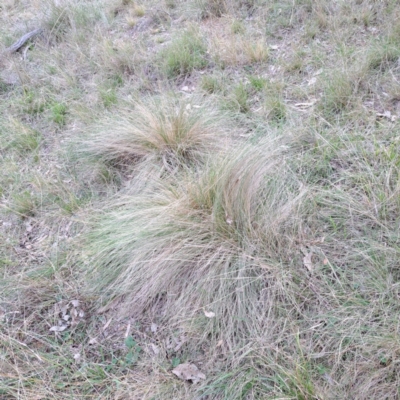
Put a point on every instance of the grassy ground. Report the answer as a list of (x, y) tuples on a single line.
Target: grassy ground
[(204, 182)]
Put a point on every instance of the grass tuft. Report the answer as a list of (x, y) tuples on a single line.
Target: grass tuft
[(338, 93), (212, 8), (169, 132), (184, 54), (191, 242), (21, 137)]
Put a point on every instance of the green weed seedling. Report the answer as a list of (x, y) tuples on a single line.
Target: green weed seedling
[(134, 351)]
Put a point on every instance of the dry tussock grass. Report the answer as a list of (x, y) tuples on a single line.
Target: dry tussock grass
[(229, 49), (169, 132), (205, 226)]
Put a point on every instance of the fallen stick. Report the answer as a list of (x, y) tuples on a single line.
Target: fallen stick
[(20, 42)]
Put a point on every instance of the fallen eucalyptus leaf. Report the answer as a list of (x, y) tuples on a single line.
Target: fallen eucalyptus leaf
[(58, 328), (307, 260)]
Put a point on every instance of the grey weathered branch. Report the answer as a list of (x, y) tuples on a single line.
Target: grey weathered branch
[(20, 42)]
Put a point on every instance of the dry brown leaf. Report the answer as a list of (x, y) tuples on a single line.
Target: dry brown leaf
[(312, 81), (179, 343), (387, 114), (155, 348), (75, 303), (209, 314), (64, 310), (308, 262), (188, 372), (59, 328)]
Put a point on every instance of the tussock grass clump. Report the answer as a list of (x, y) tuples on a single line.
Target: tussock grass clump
[(213, 83), (212, 8), (166, 132), (24, 204), (338, 93), (59, 18), (385, 51), (186, 53), (382, 54), (238, 100), (229, 50), (19, 137), (210, 237), (220, 8), (118, 57)]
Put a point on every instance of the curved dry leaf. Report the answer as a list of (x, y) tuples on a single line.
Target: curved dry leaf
[(58, 328), (307, 261), (75, 303), (209, 314), (188, 372)]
